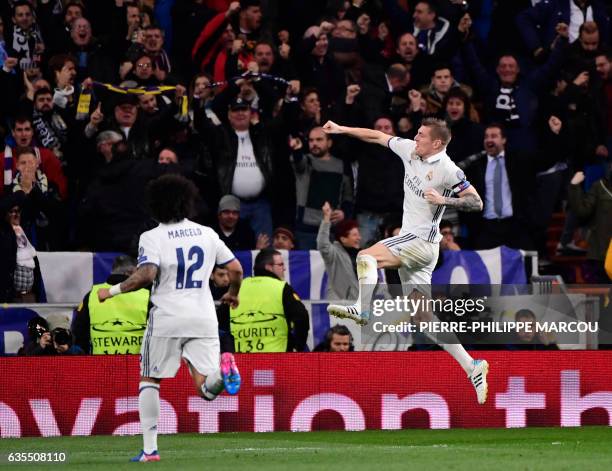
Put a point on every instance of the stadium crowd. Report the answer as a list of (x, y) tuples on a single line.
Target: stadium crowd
[(98, 97)]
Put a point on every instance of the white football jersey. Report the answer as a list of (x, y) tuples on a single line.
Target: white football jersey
[(438, 172), (185, 254)]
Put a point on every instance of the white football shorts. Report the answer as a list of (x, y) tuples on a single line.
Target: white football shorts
[(160, 357), (418, 257)]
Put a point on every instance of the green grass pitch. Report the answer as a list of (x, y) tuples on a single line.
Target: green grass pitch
[(556, 449)]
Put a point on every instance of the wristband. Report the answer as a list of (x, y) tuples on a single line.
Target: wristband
[(115, 289)]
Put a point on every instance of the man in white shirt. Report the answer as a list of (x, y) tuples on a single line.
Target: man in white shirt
[(430, 179), (244, 157), (249, 180), (178, 257)]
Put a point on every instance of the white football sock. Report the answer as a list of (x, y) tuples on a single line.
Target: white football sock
[(213, 386), (148, 409), (461, 355), (367, 274)]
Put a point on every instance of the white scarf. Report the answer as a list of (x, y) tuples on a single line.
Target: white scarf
[(25, 251), (51, 130), (41, 182), (24, 44)]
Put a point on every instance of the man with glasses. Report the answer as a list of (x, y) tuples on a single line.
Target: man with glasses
[(270, 316), (92, 56), (153, 46)]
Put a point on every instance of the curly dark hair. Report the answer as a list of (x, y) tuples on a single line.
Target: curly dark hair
[(171, 198)]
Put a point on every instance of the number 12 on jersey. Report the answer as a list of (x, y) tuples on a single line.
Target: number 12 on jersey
[(195, 257)]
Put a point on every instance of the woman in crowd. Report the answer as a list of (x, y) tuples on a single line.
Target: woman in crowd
[(467, 135)]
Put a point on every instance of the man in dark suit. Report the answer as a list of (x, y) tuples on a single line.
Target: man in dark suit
[(506, 180)]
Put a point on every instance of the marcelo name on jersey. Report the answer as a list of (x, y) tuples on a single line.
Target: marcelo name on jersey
[(189, 232)]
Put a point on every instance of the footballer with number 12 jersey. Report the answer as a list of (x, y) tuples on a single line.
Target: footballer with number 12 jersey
[(177, 258), (185, 254)]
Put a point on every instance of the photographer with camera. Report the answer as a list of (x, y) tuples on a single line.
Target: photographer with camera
[(44, 341), (41, 342), (63, 342)]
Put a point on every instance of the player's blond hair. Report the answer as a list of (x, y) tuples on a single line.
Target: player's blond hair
[(438, 129)]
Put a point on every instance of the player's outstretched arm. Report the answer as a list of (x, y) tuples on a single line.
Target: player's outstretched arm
[(143, 276), (468, 200), (235, 275), (370, 136)]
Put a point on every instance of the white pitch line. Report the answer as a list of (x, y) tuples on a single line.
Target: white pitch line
[(348, 447)]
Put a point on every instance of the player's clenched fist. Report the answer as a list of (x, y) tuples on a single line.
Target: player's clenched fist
[(332, 128), (433, 197)]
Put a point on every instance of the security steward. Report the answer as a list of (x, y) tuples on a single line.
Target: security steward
[(270, 316), (117, 325)]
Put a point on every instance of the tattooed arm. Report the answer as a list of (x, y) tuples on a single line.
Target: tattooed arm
[(143, 276), (468, 200)]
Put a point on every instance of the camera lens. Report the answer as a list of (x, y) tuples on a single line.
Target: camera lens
[(61, 336)]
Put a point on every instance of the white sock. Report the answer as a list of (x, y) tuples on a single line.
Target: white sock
[(367, 274), (213, 386), (461, 355), (148, 409)]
